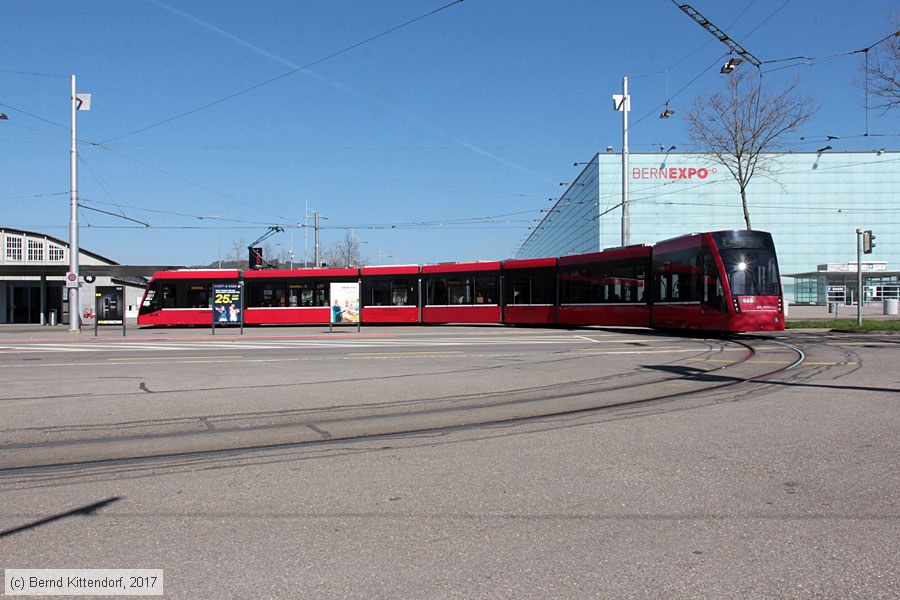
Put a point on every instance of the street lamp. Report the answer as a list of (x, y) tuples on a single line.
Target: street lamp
[(622, 103), (728, 67), (79, 102)]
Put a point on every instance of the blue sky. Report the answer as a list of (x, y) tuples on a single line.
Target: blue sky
[(438, 141)]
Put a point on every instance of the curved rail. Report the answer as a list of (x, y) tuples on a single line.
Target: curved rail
[(288, 428)]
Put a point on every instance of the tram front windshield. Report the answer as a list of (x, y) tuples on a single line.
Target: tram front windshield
[(751, 272), (750, 263)]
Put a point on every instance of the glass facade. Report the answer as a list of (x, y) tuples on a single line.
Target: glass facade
[(811, 203)]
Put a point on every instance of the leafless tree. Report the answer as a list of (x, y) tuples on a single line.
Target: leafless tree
[(241, 254), (270, 259), (743, 124), (881, 70), (344, 253)]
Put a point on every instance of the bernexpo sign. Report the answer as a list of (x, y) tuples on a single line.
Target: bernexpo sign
[(671, 173)]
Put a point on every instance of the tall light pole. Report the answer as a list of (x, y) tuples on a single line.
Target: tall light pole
[(306, 236), (623, 104), (318, 216), (79, 102)]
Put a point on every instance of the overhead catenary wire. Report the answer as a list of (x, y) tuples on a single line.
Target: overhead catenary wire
[(287, 73)]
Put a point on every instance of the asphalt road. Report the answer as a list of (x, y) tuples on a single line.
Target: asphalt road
[(664, 467)]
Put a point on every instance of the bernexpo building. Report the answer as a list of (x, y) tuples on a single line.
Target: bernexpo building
[(811, 203)]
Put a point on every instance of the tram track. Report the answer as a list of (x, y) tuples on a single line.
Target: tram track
[(210, 434)]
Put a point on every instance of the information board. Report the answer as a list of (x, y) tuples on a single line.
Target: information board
[(226, 304), (345, 302), (109, 306)]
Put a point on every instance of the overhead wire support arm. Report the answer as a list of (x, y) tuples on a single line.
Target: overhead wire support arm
[(719, 34), (272, 231)]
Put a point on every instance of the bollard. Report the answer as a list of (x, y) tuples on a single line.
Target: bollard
[(53, 317)]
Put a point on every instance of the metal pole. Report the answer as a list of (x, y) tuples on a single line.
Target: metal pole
[(599, 215), (859, 278), (306, 236), (219, 227), (317, 241), (626, 105), (74, 301)]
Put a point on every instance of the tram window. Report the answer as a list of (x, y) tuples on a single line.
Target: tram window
[(460, 291), (198, 296), (675, 288), (624, 285), (381, 293), (269, 295), (151, 300), (576, 288), (322, 294), (389, 292), (148, 298), (486, 290), (437, 292), (661, 287), (521, 290), (751, 272), (304, 294), (279, 296), (710, 287), (611, 290), (543, 288), (168, 295), (401, 292), (595, 287)]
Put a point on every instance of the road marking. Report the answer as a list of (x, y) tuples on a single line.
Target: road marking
[(713, 360), (829, 364), (873, 343), (647, 348), (402, 353), (136, 358), (772, 362)]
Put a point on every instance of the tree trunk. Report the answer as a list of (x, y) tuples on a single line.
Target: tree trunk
[(744, 204)]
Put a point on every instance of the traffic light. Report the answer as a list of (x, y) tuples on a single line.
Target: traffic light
[(868, 241), (256, 257)]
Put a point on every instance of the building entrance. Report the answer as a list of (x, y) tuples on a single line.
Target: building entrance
[(23, 302)]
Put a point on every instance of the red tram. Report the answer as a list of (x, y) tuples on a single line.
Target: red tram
[(726, 281)]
